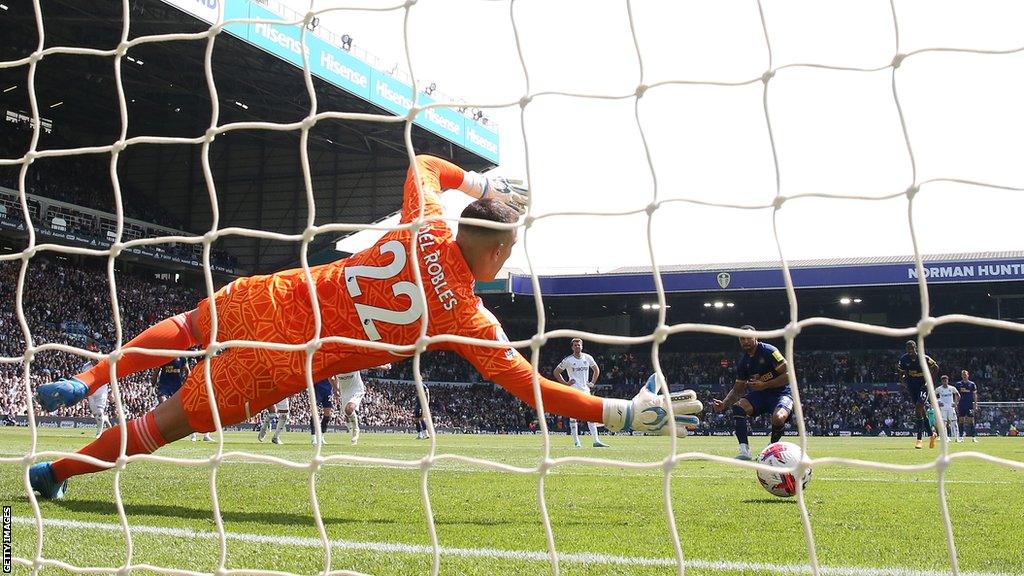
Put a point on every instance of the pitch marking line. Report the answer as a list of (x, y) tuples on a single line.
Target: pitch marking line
[(575, 557)]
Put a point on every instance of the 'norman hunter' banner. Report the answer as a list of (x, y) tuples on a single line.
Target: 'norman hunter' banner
[(771, 278)]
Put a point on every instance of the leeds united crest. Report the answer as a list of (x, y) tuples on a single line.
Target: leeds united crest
[(723, 279)]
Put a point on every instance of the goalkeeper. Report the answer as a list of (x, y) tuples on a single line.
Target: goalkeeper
[(370, 296)]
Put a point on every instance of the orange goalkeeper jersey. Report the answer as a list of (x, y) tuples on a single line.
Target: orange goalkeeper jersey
[(370, 296)]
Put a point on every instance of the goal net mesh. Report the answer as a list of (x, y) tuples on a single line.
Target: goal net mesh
[(542, 468)]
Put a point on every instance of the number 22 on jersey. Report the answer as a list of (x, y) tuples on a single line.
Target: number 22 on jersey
[(369, 315)]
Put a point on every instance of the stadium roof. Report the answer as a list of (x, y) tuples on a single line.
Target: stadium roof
[(357, 168)]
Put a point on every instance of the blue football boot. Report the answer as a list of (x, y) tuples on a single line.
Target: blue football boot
[(61, 393), (41, 477)]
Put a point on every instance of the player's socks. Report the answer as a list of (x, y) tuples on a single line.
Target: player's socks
[(172, 333), (956, 429), (574, 428), (593, 432), (353, 423), (739, 421), (777, 433), (282, 421), (143, 438), (920, 428)]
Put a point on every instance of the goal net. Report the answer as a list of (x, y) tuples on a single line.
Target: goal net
[(782, 83)]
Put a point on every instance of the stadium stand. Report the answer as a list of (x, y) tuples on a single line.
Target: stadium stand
[(841, 391)]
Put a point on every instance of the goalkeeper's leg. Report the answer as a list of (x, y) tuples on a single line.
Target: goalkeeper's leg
[(165, 423)]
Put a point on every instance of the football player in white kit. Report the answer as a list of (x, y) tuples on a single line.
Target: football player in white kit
[(281, 409), (582, 372), (98, 404), (351, 389), (948, 397)]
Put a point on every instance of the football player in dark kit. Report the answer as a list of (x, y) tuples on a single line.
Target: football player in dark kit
[(912, 379), (762, 387), (968, 405)]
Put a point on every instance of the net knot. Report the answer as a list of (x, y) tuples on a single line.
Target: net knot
[(792, 330), (661, 333), (35, 57), (767, 76), (210, 135), (409, 3), (897, 60), (308, 235), (316, 464), (119, 146), (779, 201), (912, 191), (650, 208), (30, 156), (310, 121), (313, 345), (525, 100), (209, 237), (121, 463), (528, 221), (538, 340), (925, 326), (115, 249), (641, 90), (121, 50)]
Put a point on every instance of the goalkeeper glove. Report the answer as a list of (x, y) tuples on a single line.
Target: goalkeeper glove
[(647, 411), (509, 192)]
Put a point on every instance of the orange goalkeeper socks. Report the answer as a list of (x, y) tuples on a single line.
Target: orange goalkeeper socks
[(172, 333), (143, 438)]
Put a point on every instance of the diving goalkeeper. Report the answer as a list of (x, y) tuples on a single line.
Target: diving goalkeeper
[(370, 296)]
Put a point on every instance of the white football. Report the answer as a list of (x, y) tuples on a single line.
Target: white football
[(781, 455)]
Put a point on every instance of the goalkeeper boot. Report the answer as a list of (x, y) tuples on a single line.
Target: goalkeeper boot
[(43, 482), (61, 393)]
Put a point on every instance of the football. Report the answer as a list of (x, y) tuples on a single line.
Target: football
[(781, 455)]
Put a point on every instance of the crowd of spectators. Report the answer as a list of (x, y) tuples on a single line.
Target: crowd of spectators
[(856, 390), (84, 181)]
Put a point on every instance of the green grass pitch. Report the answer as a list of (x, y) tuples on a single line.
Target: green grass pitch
[(606, 519)]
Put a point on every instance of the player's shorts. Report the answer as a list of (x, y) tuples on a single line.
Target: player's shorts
[(966, 409), (355, 396), (766, 401), (417, 411), (284, 405), (917, 392), (167, 389), (948, 414), (98, 401), (322, 390)]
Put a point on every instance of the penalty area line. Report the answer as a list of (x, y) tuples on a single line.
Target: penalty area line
[(495, 553)]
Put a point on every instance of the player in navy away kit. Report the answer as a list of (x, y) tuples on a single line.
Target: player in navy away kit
[(968, 405), (417, 413), (324, 391), (762, 387), (913, 382), (168, 379)]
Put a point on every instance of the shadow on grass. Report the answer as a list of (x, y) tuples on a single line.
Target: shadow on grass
[(107, 507), (770, 501)]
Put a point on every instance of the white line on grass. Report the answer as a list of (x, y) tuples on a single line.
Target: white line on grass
[(576, 557)]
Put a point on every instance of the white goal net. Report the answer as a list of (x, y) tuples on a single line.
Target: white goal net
[(652, 193)]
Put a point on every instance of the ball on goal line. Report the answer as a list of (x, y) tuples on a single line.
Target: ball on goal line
[(781, 455)]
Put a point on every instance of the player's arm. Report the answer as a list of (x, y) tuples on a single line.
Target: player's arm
[(559, 374), (507, 368), (933, 366), (437, 175), (595, 372), (737, 392), (779, 381)]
